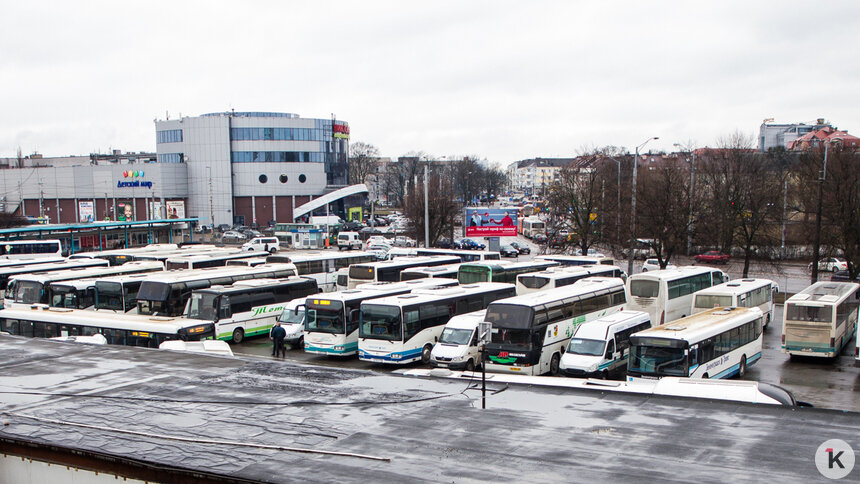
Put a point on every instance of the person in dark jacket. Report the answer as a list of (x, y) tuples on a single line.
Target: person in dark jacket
[(277, 335)]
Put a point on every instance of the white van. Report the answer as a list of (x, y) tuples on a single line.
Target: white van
[(458, 348), (294, 322), (349, 241), (599, 348), (269, 244)]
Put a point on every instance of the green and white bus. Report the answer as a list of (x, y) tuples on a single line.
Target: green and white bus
[(821, 319), (507, 272), (530, 332), (247, 308)]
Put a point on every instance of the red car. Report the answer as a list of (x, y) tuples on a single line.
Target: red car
[(712, 257)]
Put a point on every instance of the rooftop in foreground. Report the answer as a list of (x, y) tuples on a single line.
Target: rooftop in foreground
[(243, 420)]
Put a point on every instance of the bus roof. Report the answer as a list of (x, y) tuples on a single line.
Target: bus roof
[(184, 275), (90, 272), (408, 261), (303, 256), (600, 326), (234, 254), (737, 286), (670, 274), (243, 285), (434, 269), (702, 325), (468, 320), (581, 287), (825, 292), (508, 264), (433, 293), (155, 324), (381, 289), (564, 271), (53, 266), (5, 263)]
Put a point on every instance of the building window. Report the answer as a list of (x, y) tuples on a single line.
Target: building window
[(277, 157), (302, 178), (263, 178), (169, 136), (170, 158), (283, 178), (276, 134)]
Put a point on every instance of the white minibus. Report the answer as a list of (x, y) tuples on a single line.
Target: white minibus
[(458, 347), (600, 348)]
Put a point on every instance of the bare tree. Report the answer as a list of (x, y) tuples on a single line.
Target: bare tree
[(574, 201), (442, 209), (363, 160)]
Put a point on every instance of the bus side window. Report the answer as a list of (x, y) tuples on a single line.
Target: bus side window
[(474, 339), (694, 355), (224, 310), (610, 349)]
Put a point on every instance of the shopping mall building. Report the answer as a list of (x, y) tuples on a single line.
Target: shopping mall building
[(233, 167)]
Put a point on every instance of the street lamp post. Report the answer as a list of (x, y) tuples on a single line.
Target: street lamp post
[(633, 207), (618, 202), (692, 190)]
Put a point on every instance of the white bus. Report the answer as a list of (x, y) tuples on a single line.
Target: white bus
[(718, 343), (202, 261), (667, 294), (530, 332), (246, 308), (389, 270), (506, 272), (448, 271), (8, 263), (332, 319), (28, 249), (126, 329), (323, 266), (742, 293), (121, 256), (464, 255), (532, 226), (554, 277), (7, 273), (167, 293), (402, 329), (821, 319), (118, 293), (24, 289), (577, 260), (73, 294)]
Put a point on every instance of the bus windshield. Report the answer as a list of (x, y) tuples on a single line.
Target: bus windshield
[(641, 288), (471, 275), (455, 336), (708, 301), (289, 316), (658, 360), (28, 292), (512, 339), (325, 318), (380, 322), (109, 296), (203, 306), (589, 347), (362, 273), (819, 314), (512, 316)]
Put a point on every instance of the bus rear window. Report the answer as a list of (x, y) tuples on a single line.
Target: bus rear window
[(709, 301), (361, 272), (640, 288), (819, 314), (534, 282)]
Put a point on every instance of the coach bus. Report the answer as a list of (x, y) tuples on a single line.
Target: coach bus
[(554, 277), (667, 294), (166, 294), (118, 293), (744, 293), (448, 271), (402, 329), (202, 261), (717, 343), (389, 270), (332, 319), (506, 272), (247, 308), (530, 332), (577, 260), (120, 256), (26, 289), (28, 249), (323, 266), (126, 329), (821, 319)]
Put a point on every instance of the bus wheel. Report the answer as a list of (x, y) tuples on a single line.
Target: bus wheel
[(553, 364), (425, 354), (238, 335), (705, 376), (742, 370), (470, 365)]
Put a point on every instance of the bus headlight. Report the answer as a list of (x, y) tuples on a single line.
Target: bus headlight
[(338, 348), (395, 356), (593, 368)]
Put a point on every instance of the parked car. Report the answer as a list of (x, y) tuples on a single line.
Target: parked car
[(379, 250), (540, 239), (830, 264), (222, 228), (351, 226), (654, 265), (370, 230), (591, 253), (712, 257), (270, 244), (521, 247), (469, 244), (232, 236), (443, 243), (376, 240), (403, 241), (508, 250), (348, 241)]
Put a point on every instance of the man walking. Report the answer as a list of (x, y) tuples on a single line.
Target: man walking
[(277, 335)]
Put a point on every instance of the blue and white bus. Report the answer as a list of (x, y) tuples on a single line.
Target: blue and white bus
[(332, 319), (718, 343), (402, 329)]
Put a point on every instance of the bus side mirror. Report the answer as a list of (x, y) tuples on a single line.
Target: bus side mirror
[(296, 310), (353, 315)]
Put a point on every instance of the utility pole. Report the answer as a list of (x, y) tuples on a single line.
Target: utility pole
[(633, 208), (426, 210), (816, 247)]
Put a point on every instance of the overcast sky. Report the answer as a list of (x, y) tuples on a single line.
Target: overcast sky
[(503, 80)]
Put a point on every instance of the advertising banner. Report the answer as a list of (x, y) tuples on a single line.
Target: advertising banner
[(175, 209), (492, 222), (86, 211), (125, 211), (156, 210)]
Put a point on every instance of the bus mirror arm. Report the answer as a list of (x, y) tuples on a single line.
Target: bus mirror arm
[(296, 310)]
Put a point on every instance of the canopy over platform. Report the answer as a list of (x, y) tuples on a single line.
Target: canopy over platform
[(328, 198)]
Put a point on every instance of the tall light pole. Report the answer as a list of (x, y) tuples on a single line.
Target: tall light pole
[(816, 247), (618, 202), (692, 190), (633, 207), (426, 210)]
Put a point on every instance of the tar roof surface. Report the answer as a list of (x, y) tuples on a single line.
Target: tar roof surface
[(430, 430)]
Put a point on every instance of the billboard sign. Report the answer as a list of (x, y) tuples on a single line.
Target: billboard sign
[(86, 211), (176, 209), (491, 222)]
